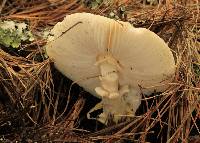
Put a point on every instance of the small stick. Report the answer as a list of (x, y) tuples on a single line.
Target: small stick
[(2, 5)]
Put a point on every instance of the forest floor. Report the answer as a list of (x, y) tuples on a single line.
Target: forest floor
[(39, 104)]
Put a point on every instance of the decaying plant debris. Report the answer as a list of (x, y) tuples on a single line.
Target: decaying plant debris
[(38, 104)]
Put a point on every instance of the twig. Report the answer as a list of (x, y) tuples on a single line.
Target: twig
[(2, 5)]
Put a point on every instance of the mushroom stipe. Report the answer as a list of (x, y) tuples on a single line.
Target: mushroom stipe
[(129, 60)]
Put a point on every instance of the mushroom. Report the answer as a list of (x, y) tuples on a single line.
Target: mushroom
[(112, 60)]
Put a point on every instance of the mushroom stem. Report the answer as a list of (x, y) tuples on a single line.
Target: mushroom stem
[(114, 97), (121, 107), (109, 79)]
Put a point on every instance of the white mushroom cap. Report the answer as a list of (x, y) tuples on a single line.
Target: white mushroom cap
[(112, 60), (82, 39)]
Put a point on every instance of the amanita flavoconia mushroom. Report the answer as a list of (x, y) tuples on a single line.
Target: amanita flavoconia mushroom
[(124, 59)]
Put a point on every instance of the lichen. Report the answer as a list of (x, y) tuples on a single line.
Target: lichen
[(13, 33)]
